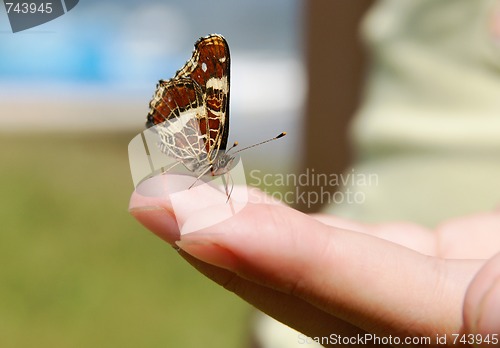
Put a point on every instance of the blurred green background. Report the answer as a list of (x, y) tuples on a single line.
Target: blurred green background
[(78, 270)]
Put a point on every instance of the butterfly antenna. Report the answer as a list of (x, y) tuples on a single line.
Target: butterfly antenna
[(281, 135), (232, 146)]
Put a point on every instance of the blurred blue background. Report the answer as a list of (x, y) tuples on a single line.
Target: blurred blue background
[(96, 67)]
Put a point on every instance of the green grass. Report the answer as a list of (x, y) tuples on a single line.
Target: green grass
[(76, 270)]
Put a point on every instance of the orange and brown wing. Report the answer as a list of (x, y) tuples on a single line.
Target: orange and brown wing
[(175, 111), (209, 67)]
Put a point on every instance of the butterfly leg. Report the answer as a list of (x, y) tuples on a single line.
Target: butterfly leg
[(163, 170), (199, 177), (226, 180)]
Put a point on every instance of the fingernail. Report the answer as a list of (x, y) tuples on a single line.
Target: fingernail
[(194, 208), (138, 209), (489, 319), (163, 185), (205, 250)]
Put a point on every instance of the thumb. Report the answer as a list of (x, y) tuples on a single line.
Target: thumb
[(482, 301), (344, 273)]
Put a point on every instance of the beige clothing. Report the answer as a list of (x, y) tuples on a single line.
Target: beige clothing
[(429, 125)]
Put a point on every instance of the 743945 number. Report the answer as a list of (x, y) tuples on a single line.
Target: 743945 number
[(29, 7)]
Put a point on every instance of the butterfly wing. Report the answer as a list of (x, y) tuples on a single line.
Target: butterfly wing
[(175, 111), (210, 68)]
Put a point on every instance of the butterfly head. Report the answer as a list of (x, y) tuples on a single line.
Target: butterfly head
[(222, 164)]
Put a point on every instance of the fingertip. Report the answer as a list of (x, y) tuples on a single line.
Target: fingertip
[(158, 220), (167, 201)]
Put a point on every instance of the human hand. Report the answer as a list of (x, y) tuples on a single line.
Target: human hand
[(323, 275)]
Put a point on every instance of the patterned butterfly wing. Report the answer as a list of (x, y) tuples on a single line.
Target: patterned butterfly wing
[(210, 68), (176, 109)]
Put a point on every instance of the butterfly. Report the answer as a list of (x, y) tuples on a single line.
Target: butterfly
[(190, 112)]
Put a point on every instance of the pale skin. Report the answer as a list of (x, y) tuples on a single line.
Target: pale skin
[(321, 274)]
